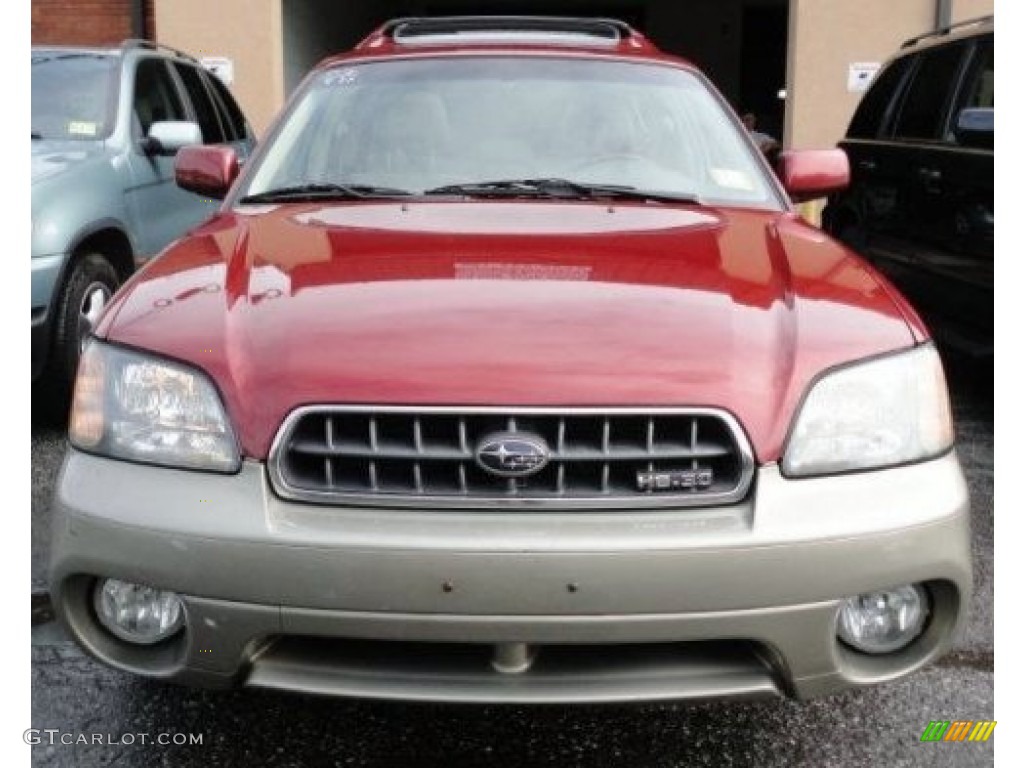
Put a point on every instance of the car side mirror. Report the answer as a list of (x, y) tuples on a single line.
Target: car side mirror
[(206, 170), (976, 127), (808, 174), (168, 136)]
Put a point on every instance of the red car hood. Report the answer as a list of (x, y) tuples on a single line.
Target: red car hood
[(510, 303)]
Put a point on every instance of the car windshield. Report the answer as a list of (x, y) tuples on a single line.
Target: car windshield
[(72, 95), (434, 124)]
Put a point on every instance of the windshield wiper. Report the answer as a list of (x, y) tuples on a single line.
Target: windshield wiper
[(559, 188), (319, 191)]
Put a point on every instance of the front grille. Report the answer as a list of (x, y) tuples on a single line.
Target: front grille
[(409, 456)]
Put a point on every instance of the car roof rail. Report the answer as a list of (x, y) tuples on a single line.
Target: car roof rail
[(152, 45), (418, 29), (947, 29)]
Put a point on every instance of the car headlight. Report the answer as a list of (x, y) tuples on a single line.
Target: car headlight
[(128, 405), (876, 413)]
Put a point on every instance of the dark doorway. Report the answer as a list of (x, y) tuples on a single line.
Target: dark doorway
[(763, 64), (740, 44), (630, 12), (314, 29)]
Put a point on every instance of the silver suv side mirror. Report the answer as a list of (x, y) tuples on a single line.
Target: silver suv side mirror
[(168, 136)]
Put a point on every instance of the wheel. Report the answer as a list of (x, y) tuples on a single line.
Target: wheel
[(90, 284)]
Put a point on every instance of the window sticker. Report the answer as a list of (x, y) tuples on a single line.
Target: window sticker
[(732, 179), (81, 128), (341, 77)]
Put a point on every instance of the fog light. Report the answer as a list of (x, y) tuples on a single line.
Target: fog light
[(136, 613), (883, 621)]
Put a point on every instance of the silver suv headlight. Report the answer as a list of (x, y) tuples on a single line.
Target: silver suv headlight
[(877, 413), (129, 405)]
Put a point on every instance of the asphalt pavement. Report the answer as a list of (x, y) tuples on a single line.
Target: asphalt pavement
[(878, 726)]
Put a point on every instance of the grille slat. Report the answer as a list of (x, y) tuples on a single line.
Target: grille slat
[(360, 450), (417, 432), (357, 450), (428, 457), (694, 464), (373, 434), (328, 465)]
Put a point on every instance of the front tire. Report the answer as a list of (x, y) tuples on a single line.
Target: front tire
[(90, 284)]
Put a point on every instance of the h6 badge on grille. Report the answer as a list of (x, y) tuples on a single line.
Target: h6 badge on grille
[(675, 480)]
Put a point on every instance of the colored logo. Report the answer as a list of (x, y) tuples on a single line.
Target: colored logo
[(959, 730)]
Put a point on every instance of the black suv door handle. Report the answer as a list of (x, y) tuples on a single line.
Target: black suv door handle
[(930, 174), (867, 165)]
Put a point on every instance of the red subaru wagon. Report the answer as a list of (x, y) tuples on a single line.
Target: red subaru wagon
[(507, 372)]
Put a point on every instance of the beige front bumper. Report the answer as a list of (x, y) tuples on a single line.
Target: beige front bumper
[(678, 603)]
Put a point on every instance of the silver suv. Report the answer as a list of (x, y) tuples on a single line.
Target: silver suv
[(106, 124)]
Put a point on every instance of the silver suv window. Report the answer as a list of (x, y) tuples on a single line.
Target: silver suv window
[(156, 97), (230, 114), (202, 104), (73, 95)]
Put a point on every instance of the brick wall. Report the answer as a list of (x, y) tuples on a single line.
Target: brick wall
[(85, 22)]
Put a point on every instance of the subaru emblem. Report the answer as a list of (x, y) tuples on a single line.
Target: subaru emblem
[(512, 454)]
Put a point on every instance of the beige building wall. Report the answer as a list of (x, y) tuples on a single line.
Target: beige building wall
[(248, 32), (826, 36), (971, 9)]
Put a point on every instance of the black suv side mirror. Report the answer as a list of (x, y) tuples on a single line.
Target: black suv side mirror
[(976, 127)]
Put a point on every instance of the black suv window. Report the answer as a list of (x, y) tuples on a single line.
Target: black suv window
[(870, 115), (206, 113), (977, 93), (924, 110), (156, 97), (980, 89), (231, 115)]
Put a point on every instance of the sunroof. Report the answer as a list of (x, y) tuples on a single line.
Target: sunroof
[(505, 29), (501, 38)]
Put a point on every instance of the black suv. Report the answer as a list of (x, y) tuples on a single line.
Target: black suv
[(920, 205)]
